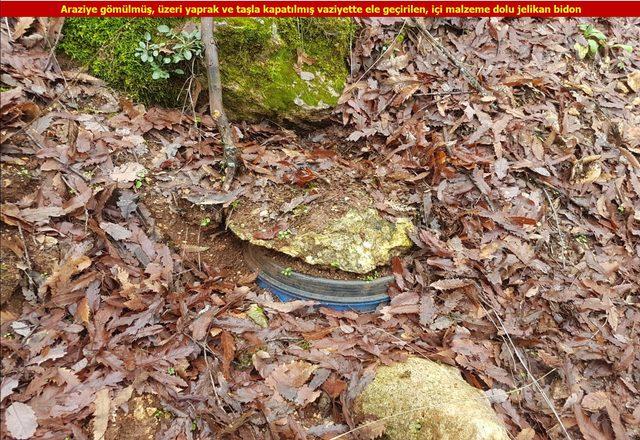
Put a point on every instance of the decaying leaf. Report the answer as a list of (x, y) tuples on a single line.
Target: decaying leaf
[(20, 420), (256, 313), (586, 170), (450, 284), (128, 172), (595, 401), (101, 413), (116, 231), (7, 386)]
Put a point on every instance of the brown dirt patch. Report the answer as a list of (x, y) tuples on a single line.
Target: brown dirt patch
[(143, 421), (10, 276), (180, 222), (316, 204), (17, 179)]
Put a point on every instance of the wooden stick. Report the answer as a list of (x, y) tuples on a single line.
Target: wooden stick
[(230, 152)]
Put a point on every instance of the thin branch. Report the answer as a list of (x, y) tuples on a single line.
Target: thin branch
[(563, 243), (536, 384), (230, 152)]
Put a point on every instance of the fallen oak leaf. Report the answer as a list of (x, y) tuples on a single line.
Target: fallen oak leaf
[(116, 231), (450, 284), (334, 386), (595, 401), (101, 414), (40, 215), (7, 386), (21, 421), (201, 324), (128, 172)]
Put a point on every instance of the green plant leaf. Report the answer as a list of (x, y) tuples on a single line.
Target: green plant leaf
[(624, 47), (164, 29), (593, 47), (598, 35)]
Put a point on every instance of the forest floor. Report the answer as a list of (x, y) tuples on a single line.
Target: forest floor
[(123, 293)]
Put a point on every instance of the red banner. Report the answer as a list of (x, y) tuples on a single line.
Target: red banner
[(119, 8)]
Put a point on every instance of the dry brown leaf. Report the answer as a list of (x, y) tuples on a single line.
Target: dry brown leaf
[(371, 430), (595, 401), (201, 324), (526, 434), (228, 352), (20, 420), (83, 311), (450, 284), (101, 414), (121, 398), (22, 25), (334, 386)]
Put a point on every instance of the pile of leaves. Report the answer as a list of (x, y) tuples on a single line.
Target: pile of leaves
[(525, 273)]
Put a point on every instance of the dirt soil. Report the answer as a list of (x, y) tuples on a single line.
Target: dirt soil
[(142, 421)]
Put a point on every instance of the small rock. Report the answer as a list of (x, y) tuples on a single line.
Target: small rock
[(357, 241), (423, 400)]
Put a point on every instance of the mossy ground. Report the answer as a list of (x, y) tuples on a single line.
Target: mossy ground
[(258, 59)]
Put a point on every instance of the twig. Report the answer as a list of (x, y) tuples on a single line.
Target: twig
[(6, 22), (26, 251), (54, 44), (443, 51), (563, 243), (531, 376), (452, 92)]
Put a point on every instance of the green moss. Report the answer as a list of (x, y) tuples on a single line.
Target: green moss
[(106, 47), (258, 59)]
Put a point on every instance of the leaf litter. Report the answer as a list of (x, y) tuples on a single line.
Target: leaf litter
[(525, 272)]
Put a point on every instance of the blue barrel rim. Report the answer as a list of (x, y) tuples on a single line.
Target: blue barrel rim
[(338, 294)]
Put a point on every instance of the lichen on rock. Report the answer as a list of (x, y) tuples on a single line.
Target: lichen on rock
[(424, 400), (358, 241), (280, 68)]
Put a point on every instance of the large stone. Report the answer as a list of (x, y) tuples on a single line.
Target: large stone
[(358, 241), (283, 69), (424, 400)]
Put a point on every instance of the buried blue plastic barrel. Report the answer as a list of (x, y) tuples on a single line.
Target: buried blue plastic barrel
[(363, 296)]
